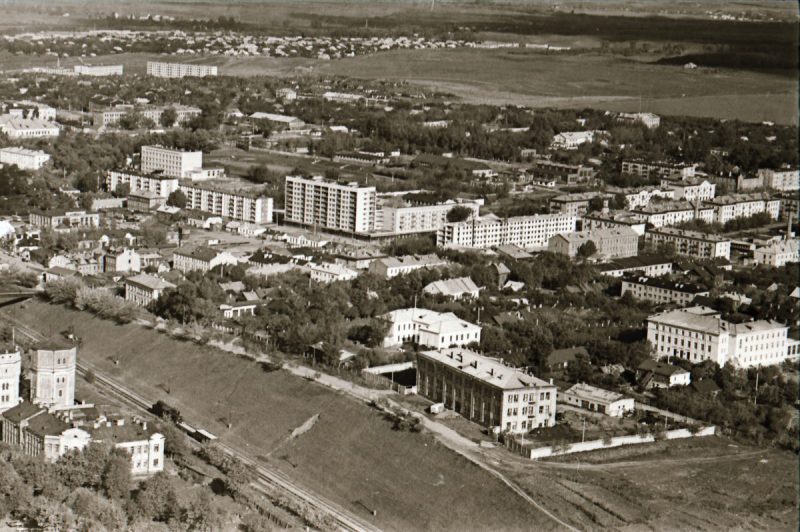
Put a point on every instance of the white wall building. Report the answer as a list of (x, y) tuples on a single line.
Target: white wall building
[(642, 197), (179, 70), (143, 289), (690, 189), (429, 328), (662, 291), (785, 179), (649, 120), (388, 267), (672, 213), (98, 70), (52, 375), (642, 168), (328, 272), (202, 258), (595, 399), (325, 204), (24, 158), (174, 163), (727, 208), (398, 217), (570, 140), (242, 205), (691, 243), (777, 254), (158, 183), (10, 372), (27, 128), (524, 231)]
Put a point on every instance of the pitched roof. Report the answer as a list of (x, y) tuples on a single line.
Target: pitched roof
[(567, 354), (24, 410), (452, 287), (661, 368)]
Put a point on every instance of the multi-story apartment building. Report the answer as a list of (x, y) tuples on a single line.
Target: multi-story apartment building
[(203, 259), (111, 116), (143, 289), (122, 260), (65, 219), (699, 333), (727, 208), (160, 184), (524, 231), (52, 375), (650, 265), (240, 205), (329, 272), (649, 120), (486, 391), (662, 291), (544, 169), (576, 204), (398, 216), (690, 189), (179, 70), (24, 158), (777, 254), (691, 243), (10, 372), (641, 197), (174, 163), (98, 70), (571, 140), (673, 212), (429, 328), (17, 127), (601, 220), (784, 179), (325, 204), (611, 243), (642, 168), (388, 267)]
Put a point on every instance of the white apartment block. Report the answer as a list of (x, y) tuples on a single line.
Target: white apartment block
[(179, 70), (328, 272), (157, 183), (111, 117), (727, 208), (672, 213), (52, 375), (486, 391), (235, 205), (698, 333), (642, 168), (98, 70), (27, 128), (524, 231), (662, 291), (785, 180), (24, 158), (429, 328), (642, 197), (777, 254), (575, 204), (143, 289), (203, 259), (691, 243), (397, 217), (174, 163), (329, 205), (571, 140), (10, 372), (649, 120), (65, 219), (691, 189)]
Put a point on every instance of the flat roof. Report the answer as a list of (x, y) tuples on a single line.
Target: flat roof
[(492, 371)]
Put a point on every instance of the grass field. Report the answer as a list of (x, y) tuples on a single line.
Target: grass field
[(351, 454)]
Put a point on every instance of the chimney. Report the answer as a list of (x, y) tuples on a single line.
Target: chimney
[(144, 425)]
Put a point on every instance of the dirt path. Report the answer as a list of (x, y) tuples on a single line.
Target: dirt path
[(650, 463)]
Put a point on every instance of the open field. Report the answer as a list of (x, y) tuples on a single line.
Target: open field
[(350, 455), (697, 484)]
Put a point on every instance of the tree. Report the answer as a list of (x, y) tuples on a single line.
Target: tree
[(587, 249), (596, 203), (122, 190), (156, 498), (116, 481), (459, 213), (177, 199), (168, 117)]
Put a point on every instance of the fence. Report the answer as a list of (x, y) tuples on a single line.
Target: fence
[(535, 453)]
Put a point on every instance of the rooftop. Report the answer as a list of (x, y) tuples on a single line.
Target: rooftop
[(587, 391), (452, 287), (489, 370), (661, 368), (150, 282)]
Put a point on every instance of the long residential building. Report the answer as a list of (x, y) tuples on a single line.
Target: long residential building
[(486, 391), (641, 197), (179, 70), (143, 289), (691, 243), (158, 183), (642, 168), (524, 231), (330, 205), (202, 259), (650, 265), (24, 158), (649, 120), (784, 179), (690, 189), (65, 219), (697, 334), (111, 116), (437, 330), (98, 70), (732, 206), (173, 163), (237, 205), (617, 242), (388, 267), (17, 127), (673, 212), (662, 291), (567, 173), (398, 216)]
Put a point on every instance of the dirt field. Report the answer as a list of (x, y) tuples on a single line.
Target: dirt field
[(700, 484), (350, 455)]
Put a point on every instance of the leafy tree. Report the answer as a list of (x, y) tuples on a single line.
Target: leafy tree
[(596, 203), (122, 190), (587, 249), (177, 199), (459, 213), (156, 499), (116, 480), (168, 117)]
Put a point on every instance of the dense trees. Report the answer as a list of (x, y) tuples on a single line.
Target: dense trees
[(177, 199)]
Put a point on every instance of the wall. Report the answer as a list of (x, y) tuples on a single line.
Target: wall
[(579, 447)]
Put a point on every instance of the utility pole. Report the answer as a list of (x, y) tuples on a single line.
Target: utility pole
[(755, 396), (583, 431)]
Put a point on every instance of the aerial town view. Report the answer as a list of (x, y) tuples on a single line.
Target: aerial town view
[(401, 265)]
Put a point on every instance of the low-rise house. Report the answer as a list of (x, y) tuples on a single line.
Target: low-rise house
[(560, 359), (305, 241), (389, 267), (455, 289), (544, 170), (429, 328), (24, 158), (39, 433), (145, 200), (143, 289), (202, 258), (513, 251), (654, 374), (486, 391), (571, 140), (60, 220), (650, 265), (690, 189), (662, 291), (328, 272), (642, 168), (777, 254), (597, 400), (238, 309)]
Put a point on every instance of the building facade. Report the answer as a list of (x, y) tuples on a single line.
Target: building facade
[(690, 243), (777, 254), (673, 212), (143, 289), (642, 168), (486, 391), (52, 375), (784, 180), (690, 189), (662, 291), (598, 400), (65, 219), (173, 163), (179, 70), (524, 231), (611, 243), (10, 372), (732, 206), (242, 205), (398, 217), (429, 328), (24, 158), (203, 259), (325, 204), (158, 183)]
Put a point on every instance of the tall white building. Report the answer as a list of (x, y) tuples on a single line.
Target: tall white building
[(524, 231), (398, 216), (179, 70), (699, 333), (237, 205), (160, 184), (10, 371), (174, 163), (785, 179), (52, 374), (329, 205), (24, 158)]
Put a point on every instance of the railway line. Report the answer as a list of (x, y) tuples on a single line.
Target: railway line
[(270, 478)]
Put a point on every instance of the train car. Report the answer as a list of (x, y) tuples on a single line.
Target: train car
[(203, 436), (164, 411)]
